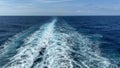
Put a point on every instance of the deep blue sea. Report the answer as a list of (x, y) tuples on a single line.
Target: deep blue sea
[(60, 42)]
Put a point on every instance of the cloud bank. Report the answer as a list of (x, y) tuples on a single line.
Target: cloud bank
[(59, 7)]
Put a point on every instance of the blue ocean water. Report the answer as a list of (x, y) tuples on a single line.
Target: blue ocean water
[(60, 42)]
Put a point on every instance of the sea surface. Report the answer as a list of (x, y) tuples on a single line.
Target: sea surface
[(60, 42)]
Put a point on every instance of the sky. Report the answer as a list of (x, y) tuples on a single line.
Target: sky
[(59, 7)]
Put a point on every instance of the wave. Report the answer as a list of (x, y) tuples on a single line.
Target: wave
[(53, 45)]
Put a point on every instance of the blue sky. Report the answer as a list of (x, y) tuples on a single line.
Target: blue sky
[(59, 7)]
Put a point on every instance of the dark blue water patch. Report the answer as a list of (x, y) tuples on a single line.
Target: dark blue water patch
[(105, 25), (118, 50)]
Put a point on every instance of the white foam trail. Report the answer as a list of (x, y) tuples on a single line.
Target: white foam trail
[(69, 49), (33, 44), (56, 54), (14, 43), (58, 46)]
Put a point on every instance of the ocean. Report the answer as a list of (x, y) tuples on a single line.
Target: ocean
[(60, 42)]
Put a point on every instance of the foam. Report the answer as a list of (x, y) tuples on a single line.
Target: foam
[(58, 46), (33, 44)]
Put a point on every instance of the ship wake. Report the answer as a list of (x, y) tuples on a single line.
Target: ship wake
[(53, 45)]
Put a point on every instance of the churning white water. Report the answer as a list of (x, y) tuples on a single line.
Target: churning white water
[(57, 46)]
